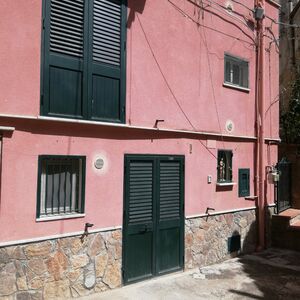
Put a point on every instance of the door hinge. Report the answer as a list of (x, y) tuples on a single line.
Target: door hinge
[(125, 45), (42, 100), (123, 273), (43, 23)]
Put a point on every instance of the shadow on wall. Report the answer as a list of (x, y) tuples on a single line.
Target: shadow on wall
[(272, 274), (135, 7)]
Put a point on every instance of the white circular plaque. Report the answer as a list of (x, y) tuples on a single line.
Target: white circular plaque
[(99, 163), (229, 126)]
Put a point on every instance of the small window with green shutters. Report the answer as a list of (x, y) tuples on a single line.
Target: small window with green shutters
[(224, 166), (61, 185), (244, 182), (236, 71)]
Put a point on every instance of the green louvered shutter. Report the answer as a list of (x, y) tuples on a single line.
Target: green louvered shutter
[(107, 60), (244, 182), (84, 59), (64, 27), (170, 215), (139, 218)]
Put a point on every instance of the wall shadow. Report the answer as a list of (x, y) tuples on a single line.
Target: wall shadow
[(272, 273)]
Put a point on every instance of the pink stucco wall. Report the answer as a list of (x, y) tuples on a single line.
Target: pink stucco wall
[(175, 72)]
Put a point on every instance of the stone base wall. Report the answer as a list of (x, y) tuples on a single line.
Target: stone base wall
[(62, 268), (206, 237), (70, 268)]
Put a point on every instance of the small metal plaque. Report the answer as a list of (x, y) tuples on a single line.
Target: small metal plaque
[(99, 163)]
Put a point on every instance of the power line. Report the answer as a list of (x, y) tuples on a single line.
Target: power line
[(169, 87), (208, 27)]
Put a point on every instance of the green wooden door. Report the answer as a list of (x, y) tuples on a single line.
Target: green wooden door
[(153, 216)]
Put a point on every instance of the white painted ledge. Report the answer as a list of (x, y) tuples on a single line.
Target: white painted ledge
[(225, 183), (251, 198), (127, 126), (60, 217), (57, 236), (7, 128), (236, 87), (215, 213)]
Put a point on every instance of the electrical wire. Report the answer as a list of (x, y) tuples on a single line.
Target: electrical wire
[(168, 85), (208, 27)]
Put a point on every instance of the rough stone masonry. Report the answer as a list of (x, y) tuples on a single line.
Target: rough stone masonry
[(69, 268)]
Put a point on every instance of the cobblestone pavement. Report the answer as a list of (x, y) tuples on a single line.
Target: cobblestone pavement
[(272, 274)]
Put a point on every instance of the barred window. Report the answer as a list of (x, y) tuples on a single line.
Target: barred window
[(61, 185)]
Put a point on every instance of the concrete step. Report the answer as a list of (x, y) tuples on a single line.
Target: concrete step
[(286, 229), (287, 217), (295, 225)]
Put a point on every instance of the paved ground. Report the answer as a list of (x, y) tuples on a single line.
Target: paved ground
[(272, 274)]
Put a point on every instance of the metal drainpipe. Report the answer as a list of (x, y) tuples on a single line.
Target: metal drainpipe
[(1, 151), (261, 127)]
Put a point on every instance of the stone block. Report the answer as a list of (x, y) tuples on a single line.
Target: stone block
[(7, 284), (57, 264), (57, 290), (22, 283), (37, 266), (96, 246), (112, 276), (38, 250), (100, 264), (79, 261)]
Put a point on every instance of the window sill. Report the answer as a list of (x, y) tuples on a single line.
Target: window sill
[(59, 217), (226, 183), (251, 198), (236, 87)]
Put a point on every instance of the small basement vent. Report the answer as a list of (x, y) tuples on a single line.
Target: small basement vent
[(234, 243)]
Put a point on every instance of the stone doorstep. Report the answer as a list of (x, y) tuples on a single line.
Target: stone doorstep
[(289, 216), (295, 226)]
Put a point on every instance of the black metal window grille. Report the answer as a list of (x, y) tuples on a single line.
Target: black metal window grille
[(236, 71), (61, 185), (224, 166)]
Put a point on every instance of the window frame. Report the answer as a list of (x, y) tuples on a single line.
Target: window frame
[(87, 99), (228, 170), (243, 65), (81, 206), (242, 192)]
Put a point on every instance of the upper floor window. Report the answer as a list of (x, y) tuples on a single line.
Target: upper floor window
[(236, 71), (84, 59)]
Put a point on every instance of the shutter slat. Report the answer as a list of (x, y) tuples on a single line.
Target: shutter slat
[(169, 191), (140, 192), (66, 27), (107, 32)]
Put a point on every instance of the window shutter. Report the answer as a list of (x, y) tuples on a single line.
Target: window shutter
[(140, 192), (107, 60), (244, 182), (63, 59), (169, 190)]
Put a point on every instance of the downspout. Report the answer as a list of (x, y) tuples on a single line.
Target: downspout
[(260, 127), (1, 151)]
